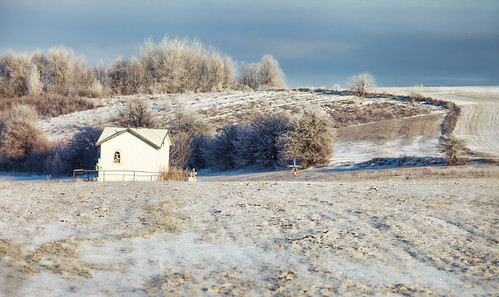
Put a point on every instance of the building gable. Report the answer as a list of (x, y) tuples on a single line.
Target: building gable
[(153, 137)]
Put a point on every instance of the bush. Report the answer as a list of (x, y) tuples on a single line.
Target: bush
[(451, 147), (312, 140), (138, 114), (19, 137), (50, 104), (416, 92), (190, 122), (18, 140), (174, 174), (361, 83)]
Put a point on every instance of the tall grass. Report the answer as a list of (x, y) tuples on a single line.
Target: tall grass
[(174, 174)]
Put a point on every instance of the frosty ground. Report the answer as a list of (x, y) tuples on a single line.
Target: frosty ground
[(345, 229), (394, 236)]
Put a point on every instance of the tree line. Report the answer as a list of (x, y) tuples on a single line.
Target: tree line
[(172, 66)]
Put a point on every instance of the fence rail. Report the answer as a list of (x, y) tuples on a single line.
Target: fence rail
[(132, 175)]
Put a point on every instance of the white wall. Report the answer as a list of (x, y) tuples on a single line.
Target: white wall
[(136, 155)]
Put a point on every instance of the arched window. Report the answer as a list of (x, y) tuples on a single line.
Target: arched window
[(117, 157)]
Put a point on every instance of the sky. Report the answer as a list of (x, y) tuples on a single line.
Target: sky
[(318, 43)]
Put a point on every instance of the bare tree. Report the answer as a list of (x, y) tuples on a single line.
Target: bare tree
[(180, 153), (361, 83)]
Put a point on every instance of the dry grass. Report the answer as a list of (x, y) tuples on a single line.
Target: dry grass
[(161, 217), (50, 105), (427, 125), (420, 173), (174, 174)]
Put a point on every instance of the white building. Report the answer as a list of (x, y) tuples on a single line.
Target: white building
[(133, 153)]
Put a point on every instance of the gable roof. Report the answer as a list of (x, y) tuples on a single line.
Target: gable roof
[(153, 137)]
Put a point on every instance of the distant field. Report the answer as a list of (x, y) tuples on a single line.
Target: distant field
[(479, 120), (397, 236)]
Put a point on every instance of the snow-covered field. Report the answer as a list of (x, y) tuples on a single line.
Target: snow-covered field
[(479, 119), (408, 237), (393, 137), (336, 231)]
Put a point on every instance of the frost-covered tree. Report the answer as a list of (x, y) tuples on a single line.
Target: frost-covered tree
[(14, 69), (312, 140), (59, 70), (261, 145), (248, 75), (223, 150), (35, 86), (361, 83), (137, 113), (125, 77), (270, 75), (81, 153), (19, 136), (191, 134)]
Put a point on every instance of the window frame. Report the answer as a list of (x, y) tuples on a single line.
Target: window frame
[(117, 158)]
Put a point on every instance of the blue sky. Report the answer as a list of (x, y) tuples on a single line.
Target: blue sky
[(317, 42)]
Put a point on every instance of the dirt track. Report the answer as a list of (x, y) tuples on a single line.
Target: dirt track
[(479, 120)]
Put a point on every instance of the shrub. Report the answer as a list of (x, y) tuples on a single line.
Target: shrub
[(312, 140), (137, 113), (19, 136), (416, 92), (50, 104), (174, 174), (361, 83), (451, 147), (172, 66), (18, 140), (190, 122), (123, 77)]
